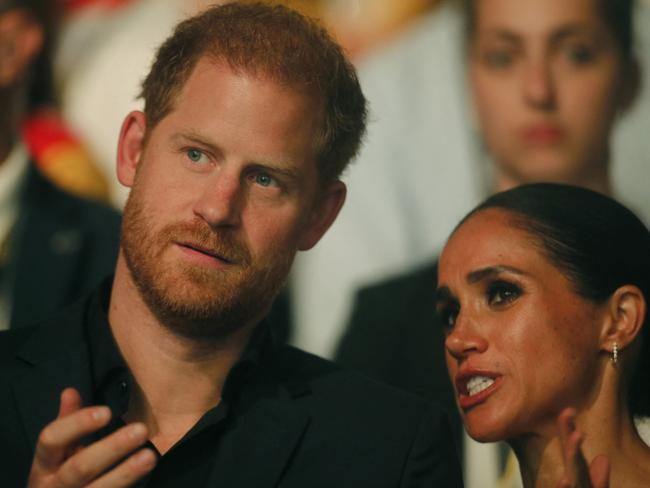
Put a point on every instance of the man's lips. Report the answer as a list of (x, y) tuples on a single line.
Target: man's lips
[(474, 386), (197, 250)]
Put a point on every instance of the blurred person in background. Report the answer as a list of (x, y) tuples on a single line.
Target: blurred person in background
[(548, 81), (417, 165), (53, 246)]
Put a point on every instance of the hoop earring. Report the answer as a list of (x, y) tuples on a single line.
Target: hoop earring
[(615, 353)]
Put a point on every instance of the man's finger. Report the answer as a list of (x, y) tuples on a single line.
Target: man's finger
[(128, 472), (58, 437), (70, 402), (91, 463)]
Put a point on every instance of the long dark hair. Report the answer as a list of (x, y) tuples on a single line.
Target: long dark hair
[(596, 242)]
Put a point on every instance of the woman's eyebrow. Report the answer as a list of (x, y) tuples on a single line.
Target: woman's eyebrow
[(491, 271)]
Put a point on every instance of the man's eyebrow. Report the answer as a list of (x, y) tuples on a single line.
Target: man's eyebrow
[(490, 271), (196, 138)]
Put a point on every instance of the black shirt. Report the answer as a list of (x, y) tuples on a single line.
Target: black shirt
[(190, 461)]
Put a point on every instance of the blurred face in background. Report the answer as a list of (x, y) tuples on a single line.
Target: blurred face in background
[(548, 79)]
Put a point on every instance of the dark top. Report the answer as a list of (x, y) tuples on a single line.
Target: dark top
[(62, 247), (288, 419), (394, 336)]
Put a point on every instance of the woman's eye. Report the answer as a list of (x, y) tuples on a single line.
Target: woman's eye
[(447, 317), (580, 54), (194, 155), (498, 59), (502, 293)]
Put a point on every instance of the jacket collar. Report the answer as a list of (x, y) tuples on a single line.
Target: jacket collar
[(57, 358)]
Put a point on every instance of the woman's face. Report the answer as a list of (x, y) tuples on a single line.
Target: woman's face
[(547, 79), (520, 343)]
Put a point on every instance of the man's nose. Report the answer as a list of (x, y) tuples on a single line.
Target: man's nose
[(219, 203), (465, 338)]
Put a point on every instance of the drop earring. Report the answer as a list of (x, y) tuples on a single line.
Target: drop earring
[(615, 353)]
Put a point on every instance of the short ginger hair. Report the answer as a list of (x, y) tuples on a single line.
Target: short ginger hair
[(275, 42)]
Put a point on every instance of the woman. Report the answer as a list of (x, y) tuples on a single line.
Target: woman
[(548, 79), (543, 294)]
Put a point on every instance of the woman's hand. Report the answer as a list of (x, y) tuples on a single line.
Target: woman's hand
[(577, 473)]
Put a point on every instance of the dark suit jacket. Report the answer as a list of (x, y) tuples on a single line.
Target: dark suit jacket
[(316, 425), (394, 336), (63, 246)]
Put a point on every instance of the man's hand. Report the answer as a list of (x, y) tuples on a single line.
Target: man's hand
[(61, 462), (577, 474)]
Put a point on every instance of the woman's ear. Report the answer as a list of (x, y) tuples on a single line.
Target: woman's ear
[(626, 311), (323, 214), (130, 147)]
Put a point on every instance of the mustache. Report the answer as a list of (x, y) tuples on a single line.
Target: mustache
[(220, 243)]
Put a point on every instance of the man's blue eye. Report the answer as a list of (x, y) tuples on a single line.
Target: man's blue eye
[(263, 179), (194, 155)]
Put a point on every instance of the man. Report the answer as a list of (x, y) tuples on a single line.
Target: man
[(54, 247), (251, 113)]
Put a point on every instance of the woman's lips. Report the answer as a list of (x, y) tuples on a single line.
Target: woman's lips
[(474, 387), (542, 134)]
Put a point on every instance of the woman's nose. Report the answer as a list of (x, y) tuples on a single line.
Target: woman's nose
[(465, 338), (538, 85)]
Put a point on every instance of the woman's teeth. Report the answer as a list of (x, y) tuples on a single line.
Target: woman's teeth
[(478, 383)]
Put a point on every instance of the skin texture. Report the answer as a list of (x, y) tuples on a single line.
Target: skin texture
[(548, 81)]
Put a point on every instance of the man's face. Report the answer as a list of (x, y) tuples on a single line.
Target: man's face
[(223, 194)]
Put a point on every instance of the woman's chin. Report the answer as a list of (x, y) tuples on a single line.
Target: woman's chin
[(487, 431)]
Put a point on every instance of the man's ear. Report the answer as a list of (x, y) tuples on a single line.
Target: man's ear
[(130, 147), (625, 315), (21, 39), (323, 214)]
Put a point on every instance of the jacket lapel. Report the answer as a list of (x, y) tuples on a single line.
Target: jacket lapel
[(257, 452), (56, 358)]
